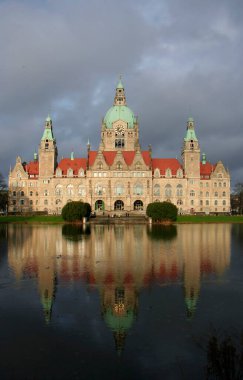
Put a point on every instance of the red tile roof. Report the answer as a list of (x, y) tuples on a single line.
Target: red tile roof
[(75, 165), (127, 155), (166, 163), (32, 168), (206, 169)]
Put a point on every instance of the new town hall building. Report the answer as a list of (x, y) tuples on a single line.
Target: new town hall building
[(119, 176)]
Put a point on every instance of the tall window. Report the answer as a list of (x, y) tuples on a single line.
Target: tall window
[(138, 189), (192, 193), (156, 189), (168, 191), (69, 189), (179, 190), (59, 190), (81, 190), (119, 189)]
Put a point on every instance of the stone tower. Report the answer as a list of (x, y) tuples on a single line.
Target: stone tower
[(47, 151), (191, 152)]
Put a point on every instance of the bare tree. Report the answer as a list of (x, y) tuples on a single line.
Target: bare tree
[(3, 194), (237, 199)]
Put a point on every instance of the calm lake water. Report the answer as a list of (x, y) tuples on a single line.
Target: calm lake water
[(118, 302)]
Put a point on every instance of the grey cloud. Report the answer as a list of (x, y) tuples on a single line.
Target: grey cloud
[(178, 59)]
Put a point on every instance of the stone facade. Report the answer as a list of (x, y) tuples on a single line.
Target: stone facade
[(120, 176)]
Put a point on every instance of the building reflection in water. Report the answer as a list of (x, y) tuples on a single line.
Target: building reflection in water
[(119, 261)]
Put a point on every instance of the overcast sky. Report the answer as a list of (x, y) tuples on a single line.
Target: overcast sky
[(177, 58)]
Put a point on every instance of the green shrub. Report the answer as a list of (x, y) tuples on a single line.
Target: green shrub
[(162, 211), (74, 211)]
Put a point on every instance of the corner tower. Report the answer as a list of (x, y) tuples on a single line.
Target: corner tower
[(47, 151), (191, 152), (120, 126)]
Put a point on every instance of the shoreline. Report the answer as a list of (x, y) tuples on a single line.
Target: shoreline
[(187, 219)]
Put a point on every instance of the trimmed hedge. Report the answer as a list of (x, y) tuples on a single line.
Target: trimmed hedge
[(74, 211), (162, 211)]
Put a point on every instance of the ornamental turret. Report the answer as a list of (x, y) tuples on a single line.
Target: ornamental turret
[(191, 152), (47, 151)]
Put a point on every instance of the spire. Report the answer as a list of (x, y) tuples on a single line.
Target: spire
[(190, 132), (120, 98), (48, 133)]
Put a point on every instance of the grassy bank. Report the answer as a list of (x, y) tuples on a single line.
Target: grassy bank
[(31, 219), (181, 219), (210, 219)]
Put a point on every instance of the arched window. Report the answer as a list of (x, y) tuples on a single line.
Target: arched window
[(138, 189), (58, 201), (100, 165), (70, 172), (224, 194), (207, 194), (168, 173), (224, 202), (59, 190), (215, 184), (22, 193), (179, 173), (46, 202), (179, 202), (31, 193), (216, 194), (224, 184), (69, 189), (157, 173), (119, 189), (207, 202), (46, 193), (138, 165), (168, 190), (81, 190), (216, 203), (156, 189), (192, 193), (179, 190)]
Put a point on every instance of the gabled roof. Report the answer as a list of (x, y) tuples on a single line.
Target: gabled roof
[(127, 155), (166, 163), (75, 165), (32, 168)]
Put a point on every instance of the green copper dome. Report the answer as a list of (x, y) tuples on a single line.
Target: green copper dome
[(119, 113)]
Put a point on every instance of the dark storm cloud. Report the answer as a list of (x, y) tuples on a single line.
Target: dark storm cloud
[(178, 59)]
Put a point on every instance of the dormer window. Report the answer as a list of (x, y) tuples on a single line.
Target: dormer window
[(157, 173), (70, 172), (58, 172), (168, 173)]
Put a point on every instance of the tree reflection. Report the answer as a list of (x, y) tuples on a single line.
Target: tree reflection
[(160, 232), (75, 232)]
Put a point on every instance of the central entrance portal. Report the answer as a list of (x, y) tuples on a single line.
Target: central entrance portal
[(119, 205)]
